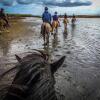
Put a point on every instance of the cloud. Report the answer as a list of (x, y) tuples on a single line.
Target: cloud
[(68, 4), (7, 2), (60, 3), (25, 1)]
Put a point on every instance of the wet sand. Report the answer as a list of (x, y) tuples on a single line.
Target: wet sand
[(79, 77)]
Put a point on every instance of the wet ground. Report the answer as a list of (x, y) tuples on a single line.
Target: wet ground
[(79, 77)]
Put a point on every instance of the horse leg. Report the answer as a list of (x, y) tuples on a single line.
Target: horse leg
[(1, 26), (46, 38), (55, 36), (52, 29), (56, 29), (44, 34), (65, 26)]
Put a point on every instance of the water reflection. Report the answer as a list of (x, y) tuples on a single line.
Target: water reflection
[(47, 50), (55, 41), (73, 27), (51, 46), (65, 33)]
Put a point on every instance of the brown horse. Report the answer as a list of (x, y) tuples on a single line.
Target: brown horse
[(3, 25), (65, 21), (46, 29), (55, 25), (34, 79)]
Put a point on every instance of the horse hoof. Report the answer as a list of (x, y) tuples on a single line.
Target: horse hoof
[(46, 43), (51, 33)]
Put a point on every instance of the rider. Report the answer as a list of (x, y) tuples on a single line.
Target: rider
[(3, 16), (46, 26), (65, 19), (46, 17), (55, 18)]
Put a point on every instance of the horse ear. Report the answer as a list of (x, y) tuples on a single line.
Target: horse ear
[(57, 64), (18, 58)]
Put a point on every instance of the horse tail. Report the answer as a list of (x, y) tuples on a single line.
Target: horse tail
[(44, 29)]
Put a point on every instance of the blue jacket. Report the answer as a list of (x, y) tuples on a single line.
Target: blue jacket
[(46, 17), (55, 18)]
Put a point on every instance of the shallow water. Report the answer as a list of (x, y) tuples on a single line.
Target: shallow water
[(79, 77)]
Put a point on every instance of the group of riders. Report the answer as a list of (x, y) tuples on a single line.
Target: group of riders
[(46, 17), (51, 23)]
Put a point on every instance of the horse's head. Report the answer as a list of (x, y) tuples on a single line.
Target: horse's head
[(34, 78), (41, 57)]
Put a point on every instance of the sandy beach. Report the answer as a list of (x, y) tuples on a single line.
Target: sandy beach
[(79, 77)]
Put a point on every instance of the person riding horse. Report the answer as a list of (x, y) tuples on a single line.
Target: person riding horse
[(65, 21), (46, 17), (73, 19), (55, 23), (3, 17), (46, 27)]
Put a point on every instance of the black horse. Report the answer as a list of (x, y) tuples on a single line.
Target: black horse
[(34, 79)]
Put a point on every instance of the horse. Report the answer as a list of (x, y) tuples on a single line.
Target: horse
[(73, 21), (3, 24), (34, 79), (46, 29), (65, 21), (55, 25)]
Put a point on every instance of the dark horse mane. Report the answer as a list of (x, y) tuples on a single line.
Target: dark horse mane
[(34, 77)]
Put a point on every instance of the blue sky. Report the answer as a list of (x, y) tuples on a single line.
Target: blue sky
[(36, 7)]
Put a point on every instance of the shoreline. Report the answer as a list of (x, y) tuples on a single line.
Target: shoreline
[(61, 16)]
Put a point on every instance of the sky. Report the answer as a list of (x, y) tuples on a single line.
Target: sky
[(36, 7)]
